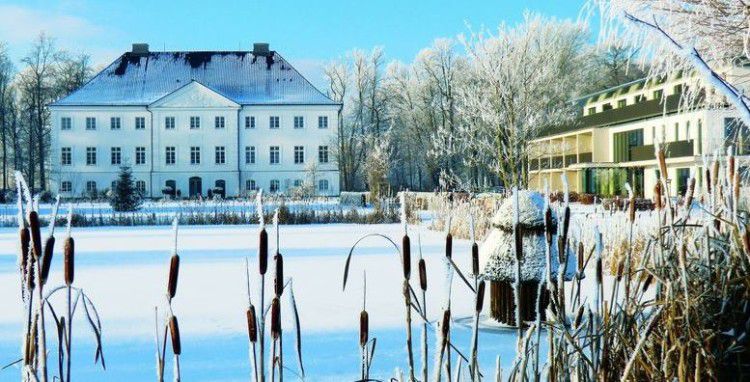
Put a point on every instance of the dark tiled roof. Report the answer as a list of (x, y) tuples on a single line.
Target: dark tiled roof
[(141, 79)]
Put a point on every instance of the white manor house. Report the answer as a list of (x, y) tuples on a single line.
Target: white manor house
[(190, 122)]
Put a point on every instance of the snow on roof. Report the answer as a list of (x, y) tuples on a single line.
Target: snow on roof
[(140, 79)]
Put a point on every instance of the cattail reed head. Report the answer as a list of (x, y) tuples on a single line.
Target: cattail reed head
[(480, 297), (278, 281), (174, 332), (580, 259), (736, 188), (548, 225), (445, 325), (406, 256), (252, 326), (422, 275), (662, 161), (36, 234), (579, 317), (648, 281), (620, 268), (657, 195), (475, 259), (46, 262), (263, 251), (364, 328), (690, 194), (69, 260), (631, 209), (24, 240), (449, 245), (746, 241), (174, 271), (275, 318), (599, 276), (708, 180), (730, 164)]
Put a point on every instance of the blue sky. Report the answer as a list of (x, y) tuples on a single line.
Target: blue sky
[(308, 33)]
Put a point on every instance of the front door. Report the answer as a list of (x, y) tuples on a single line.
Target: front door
[(196, 186)]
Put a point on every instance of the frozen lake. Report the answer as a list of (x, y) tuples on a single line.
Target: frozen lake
[(124, 271)]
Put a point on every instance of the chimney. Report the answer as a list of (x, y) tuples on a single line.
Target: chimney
[(140, 48), (261, 49)]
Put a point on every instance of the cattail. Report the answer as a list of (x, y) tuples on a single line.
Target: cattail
[(422, 275), (620, 268), (631, 209), (69, 260), (736, 188), (579, 317), (480, 297), (278, 282), (406, 261), (445, 326), (252, 327), (275, 318), (746, 241), (174, 270), (24, 240), (647, 283), (49, 247), (263, 251), (662, 161), (364, 328), (581, 260), (730, 164), (657, 195), (690, 194), (36, 234), (475, 259), (548, 225), (174, 332), (599, 276), (449, 245), (708, 180)]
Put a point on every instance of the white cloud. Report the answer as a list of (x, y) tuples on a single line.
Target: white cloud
[(21, 25)]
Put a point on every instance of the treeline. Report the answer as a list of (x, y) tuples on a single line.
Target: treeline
[(461, 114), (43, 75)]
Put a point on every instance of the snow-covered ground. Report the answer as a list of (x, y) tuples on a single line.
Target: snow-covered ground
[(124, 271)]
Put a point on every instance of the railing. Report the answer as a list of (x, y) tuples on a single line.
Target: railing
[(570, 159), (671, 150)]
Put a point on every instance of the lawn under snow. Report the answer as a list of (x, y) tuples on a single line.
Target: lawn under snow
[(124, 271)]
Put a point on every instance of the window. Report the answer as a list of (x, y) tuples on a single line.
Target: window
[(66, 156), (249, 154), (273, 122), (116, 156), (607, 106), (592, 110), (114, 123), (250, 185), (65, 123), (249, 122), (323, 185), (195, 155), (323, 122), (299, 122), (678, 89), (66, 186), (297, 183), (91, 187), (274, 186), (640, 98), (220, 155), (622, 103), (140, 123), (299, 154), (658, 93), (140, 155), (169, 155), (195, 122), (219, 122), (274, 154), (90, 123), (169, 123), (91, 156), (140, 186), (322, 154)]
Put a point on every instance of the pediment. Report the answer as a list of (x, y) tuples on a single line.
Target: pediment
[(194, 95)]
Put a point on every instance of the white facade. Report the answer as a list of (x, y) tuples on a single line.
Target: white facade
[(195, 139)]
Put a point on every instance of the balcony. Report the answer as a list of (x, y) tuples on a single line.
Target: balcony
[(570, 159), (585, 158), (671, 150)]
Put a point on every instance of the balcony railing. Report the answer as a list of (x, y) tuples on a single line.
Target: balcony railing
[(585, 158), (671, 150), (558, 162)]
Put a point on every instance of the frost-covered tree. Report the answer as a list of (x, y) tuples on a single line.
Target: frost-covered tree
[(520, 80), (708, 37)]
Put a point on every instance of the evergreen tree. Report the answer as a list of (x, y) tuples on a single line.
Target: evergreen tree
[(125, 196)]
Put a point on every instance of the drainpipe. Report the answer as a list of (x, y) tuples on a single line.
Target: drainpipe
[(151, 158), (239, 172)]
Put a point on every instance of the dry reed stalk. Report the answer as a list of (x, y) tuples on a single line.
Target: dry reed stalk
[(406, 290), (478, 304), (275, 334), (364, 334)]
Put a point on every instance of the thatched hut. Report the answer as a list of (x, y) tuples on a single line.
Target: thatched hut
[(498, 259)]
